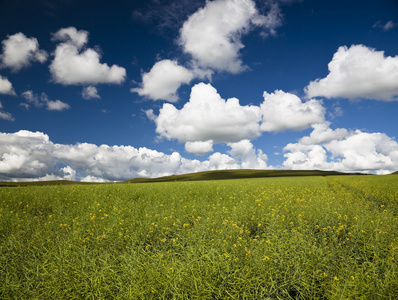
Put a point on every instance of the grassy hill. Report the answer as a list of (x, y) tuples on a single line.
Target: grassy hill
[(208, 175), (238, 174), (43, 183)]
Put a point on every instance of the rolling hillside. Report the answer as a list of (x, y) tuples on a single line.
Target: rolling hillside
[(208, 175)]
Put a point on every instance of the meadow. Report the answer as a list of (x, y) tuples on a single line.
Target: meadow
[(319, 237)]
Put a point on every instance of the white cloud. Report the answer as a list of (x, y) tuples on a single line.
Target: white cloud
[(90, 92), (358, 72), (208, 117), (322, 133), (212, 35), (27, 155), (163, 81), (73, 66), (20, 51), (72, 36), (343, 150), (389, 25), (284, 111), (35, 100), (6, 86), (5, 115), (271, 21), (199, 148), (57, 105), (249, 158)]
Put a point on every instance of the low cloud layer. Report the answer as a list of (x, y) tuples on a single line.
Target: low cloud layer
[(343, 150), (358, 72), (20, 51), (75, 65), (27, 155)]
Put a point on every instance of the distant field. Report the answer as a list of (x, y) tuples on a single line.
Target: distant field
[(208, 175), (305, 237)]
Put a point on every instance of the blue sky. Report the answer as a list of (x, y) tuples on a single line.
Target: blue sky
[(112, 90)]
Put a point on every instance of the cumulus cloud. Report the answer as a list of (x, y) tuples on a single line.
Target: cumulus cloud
[(284, 111), (358, 72), (72, 36), (6, 86), (90, 92), (42, 100), (74, 65), (5, 115), (248, 156), (20, 51), (163, 81), (343, 150), (27, 155), (199, 148), (212, 35), (207, 117)]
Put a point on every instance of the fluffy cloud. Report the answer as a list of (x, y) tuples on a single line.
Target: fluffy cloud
[(72, 35), (212, 34), (90, 92), (343, 150), (27, 155), (248, 156), (199, 148), (72, 65), (35, 100), (20, 51), (163, 81), (358, 72), (207, 117), (284, 111), (6, 86), (5, 115)]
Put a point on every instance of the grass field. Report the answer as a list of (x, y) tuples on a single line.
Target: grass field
[(317, 237)]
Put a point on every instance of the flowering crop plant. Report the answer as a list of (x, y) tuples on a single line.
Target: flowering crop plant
[(319, 237)]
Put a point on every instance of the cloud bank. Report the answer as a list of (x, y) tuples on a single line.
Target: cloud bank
[(343, 150), (27, 155)]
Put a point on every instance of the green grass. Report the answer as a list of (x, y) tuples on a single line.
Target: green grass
[(237, 174), (317, 237), (208, 175)]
